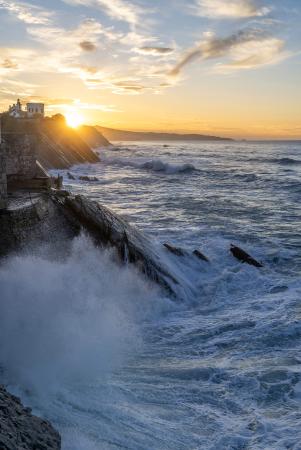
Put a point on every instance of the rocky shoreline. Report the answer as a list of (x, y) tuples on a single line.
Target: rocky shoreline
[(21, 430), (48, 222)]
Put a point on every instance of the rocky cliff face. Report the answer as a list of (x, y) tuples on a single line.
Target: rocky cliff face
[(92, 137), (58, 146), (54, 219), (3, 179), (20, 430)]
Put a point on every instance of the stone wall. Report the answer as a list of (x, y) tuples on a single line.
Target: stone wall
[(3, 181), (21, 155)]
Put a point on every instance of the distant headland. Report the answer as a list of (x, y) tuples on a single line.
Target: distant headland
[(120, 135)]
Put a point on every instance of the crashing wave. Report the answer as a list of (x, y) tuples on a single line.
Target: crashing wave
[(156, 165)]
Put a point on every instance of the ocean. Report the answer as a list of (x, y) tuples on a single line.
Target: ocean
[(114, 362)]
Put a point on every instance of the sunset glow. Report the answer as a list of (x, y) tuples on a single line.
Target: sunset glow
[(74, 119), (205, 66)]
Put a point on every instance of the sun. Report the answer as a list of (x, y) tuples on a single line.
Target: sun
[(74, 119)]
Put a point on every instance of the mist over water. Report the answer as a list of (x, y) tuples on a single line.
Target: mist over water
[(114, 363), (65, 321)]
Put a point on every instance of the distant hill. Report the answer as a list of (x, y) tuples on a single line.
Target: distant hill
[(120, 135)]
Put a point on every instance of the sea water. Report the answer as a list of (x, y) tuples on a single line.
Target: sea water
[(116, 364)]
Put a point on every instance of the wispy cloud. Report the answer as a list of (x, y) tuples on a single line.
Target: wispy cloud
[(117, 9), (27, 13), (154, 51), (246, 49), (231, 8), (70, 104)]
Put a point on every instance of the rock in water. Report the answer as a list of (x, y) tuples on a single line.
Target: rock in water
[(20, 430), (70, 176), (175, 250), (200, 255), (243, 256), (86, 178)]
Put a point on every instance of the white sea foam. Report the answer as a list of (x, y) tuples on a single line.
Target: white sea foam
[(155, 165), (68, 320)]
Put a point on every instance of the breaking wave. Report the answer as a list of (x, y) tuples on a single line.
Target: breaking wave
[(69, 320), (155, 165)]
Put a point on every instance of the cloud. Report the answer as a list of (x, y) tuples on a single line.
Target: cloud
[(154, 51), (74, 104), (69, 42), (27, 13), (255, 54), (230, 8), (8, 64), (117, 9), (87, 46), (246, 49)]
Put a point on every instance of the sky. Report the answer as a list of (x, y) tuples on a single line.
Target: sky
[(224, 67)]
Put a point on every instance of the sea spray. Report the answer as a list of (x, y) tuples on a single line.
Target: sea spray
[(68, 320)]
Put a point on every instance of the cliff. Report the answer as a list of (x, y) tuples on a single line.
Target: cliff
[(52, 219), (20, 430), (92, 137), (59, 146), (120, 135), (55, 218)]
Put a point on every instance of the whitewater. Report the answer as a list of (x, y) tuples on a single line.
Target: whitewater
[(115, 363)]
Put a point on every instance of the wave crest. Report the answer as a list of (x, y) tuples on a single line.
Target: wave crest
[(155, 165)]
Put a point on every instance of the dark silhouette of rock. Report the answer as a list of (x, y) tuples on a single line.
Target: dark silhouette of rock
[(70, 176), (278, 289), (56, 218), (86, 178), (175, 250), (243, 256), (20, 430), (200, 255)]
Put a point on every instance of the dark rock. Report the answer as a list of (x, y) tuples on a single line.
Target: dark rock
[(175, 250), (86, 178), (20, 430), (200, 255), (52, 220), (243, 256), (70, 176), (278, 289)]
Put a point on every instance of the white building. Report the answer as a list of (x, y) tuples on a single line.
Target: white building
[(35, 108), (32, 110), (15, 110)]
